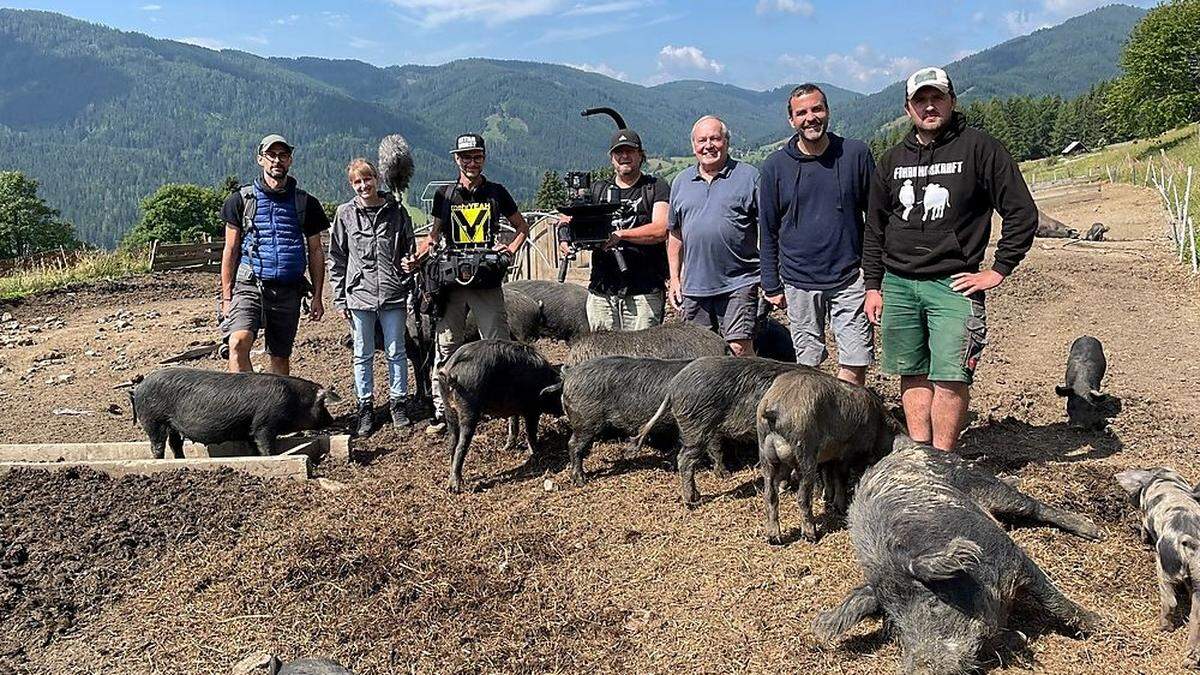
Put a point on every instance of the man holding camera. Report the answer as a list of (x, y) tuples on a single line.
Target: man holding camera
[(469, 213), (633, 299)]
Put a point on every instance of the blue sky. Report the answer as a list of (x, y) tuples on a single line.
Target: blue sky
[(862, 45)]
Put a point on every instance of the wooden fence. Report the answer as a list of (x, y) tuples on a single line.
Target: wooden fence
[(202, 257), (57, 258)]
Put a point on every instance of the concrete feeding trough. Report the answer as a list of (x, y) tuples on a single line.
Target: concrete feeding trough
[(129, 458)]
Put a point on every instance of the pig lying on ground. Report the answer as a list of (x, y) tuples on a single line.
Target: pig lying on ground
[(1087, 407), (667, 341), (1051, 228), (939, 569), (209, 406), (1171, 523), (713, 401), (612, 397), (497, 378), (564, 313), (1096, 233), (308, 667), (807, 420)]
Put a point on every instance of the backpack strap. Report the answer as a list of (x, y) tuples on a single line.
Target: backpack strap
[(249, 206), (301, 206)]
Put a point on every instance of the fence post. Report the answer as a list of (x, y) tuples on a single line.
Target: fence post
[(153, 252)]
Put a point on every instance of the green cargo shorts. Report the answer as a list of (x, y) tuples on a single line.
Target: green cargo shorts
[(929, 329)]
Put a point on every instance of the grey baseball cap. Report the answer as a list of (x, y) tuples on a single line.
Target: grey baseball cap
[(272, 139)]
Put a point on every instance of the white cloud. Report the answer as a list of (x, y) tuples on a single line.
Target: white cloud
[(578, 33), (287, 20), (687, 59), (801, 7), (1021, 22), (1072, 7), (362, 43), (864, 68), (260, 40), (150, 8), (604, 7), (431, 13), (207, 43), (600, 68)]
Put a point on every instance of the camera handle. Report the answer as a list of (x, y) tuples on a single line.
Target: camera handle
[(620, 257), (564, 263)]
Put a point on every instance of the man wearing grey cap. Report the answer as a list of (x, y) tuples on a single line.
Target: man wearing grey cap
[(929, 219), (634, 299), (272, 235)]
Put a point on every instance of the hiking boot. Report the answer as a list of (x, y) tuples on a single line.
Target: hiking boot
[(399, 407), (437, 426), (364, 418)]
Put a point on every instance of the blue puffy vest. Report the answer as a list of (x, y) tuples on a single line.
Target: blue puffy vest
[(273, 242)]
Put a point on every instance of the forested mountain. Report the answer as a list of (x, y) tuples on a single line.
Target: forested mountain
[(1065, 60), (102, 117)]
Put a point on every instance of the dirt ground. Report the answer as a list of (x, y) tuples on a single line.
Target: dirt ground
[(190, 573)]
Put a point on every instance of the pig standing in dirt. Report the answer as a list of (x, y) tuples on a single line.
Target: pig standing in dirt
[(1087, 408), (497, 378), (209, 406), (713, 401), (807, 420), (612, 397), (564, 307), (1096, 233), (665, 341), (939, 568), (1171, 523)]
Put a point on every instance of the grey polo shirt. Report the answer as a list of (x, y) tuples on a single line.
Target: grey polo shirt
[(718, 223)]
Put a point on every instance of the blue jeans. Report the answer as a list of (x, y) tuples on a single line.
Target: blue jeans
[(363, 324)]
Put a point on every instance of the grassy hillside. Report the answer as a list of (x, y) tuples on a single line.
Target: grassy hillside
[(1065, 60)]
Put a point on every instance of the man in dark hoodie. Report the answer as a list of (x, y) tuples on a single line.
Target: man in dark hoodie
[(927, 230), (812, 193)]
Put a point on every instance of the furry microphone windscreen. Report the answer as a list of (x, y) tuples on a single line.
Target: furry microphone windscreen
[(395, 162)]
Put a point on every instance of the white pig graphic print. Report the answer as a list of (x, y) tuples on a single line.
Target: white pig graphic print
[(937, 198)]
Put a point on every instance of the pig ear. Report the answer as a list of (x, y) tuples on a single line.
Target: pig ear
[(551, 393), (1096, 397), (1134, 480), (1062, 391), (328, 394)]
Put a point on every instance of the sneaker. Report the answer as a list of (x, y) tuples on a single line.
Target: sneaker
[(436, 427), (364, 418), (399, 408)]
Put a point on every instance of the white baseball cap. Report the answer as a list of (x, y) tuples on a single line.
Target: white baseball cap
[(929, 77)]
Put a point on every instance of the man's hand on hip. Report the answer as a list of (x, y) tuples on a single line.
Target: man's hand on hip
[(873, 306), (972, 282)]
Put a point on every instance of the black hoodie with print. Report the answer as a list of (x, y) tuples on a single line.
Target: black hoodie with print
[(930, 212)]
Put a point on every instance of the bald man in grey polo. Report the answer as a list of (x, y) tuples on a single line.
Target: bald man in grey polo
[(718, 224)]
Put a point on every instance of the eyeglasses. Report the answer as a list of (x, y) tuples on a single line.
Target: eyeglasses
[(471, 159), (277, 156)]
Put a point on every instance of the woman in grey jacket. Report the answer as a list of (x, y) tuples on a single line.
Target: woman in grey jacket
[(370, 263)]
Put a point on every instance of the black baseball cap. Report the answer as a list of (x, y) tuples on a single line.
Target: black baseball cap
[(625, 137), (467, 143)]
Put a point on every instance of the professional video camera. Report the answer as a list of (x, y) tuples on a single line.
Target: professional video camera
[(592, 224)]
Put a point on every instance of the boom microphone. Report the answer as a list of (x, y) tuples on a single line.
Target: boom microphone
[(395, 162)]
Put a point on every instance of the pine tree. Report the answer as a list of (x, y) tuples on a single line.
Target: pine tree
[(551, 194)]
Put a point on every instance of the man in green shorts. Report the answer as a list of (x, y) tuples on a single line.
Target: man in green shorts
[(928, 224)]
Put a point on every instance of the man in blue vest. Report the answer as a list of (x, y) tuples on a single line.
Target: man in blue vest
[(272, 235)]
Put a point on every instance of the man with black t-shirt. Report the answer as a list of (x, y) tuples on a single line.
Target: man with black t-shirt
[(632, 300), (272, 235), (468, 214)]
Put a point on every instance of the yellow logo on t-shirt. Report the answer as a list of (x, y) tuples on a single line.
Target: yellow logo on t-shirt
[(470, 223)]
